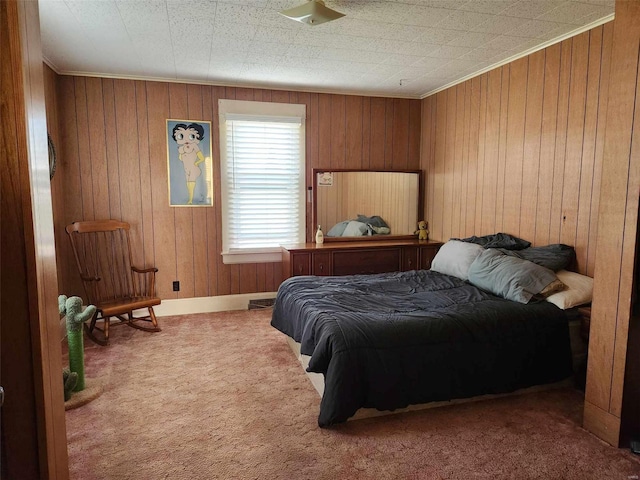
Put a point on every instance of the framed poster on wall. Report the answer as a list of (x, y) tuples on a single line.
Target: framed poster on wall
[(189, 163)]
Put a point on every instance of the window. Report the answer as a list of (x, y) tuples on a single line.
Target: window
[(262, 147)]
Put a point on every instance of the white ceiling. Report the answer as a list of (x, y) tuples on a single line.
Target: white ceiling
[(401, 48)]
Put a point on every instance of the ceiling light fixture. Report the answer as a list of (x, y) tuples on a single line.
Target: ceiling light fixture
[(312, 13)]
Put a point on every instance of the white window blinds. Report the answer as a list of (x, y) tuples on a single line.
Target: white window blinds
[(263, 183)]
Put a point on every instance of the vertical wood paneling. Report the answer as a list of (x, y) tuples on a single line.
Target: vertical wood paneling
[(458, 172), (113, 155), (607, 41), (575, 138), (413, 150), (353, 131), (366, 132), (146, 222), (449, 162), (164, 228), (588, 149), (547, 143), (439, 177), (338, 133), (609, 376), (502, 149), (488, 148), (111, 135), (183, 216), (84, 149), (129, 162), (199, 215), (469, 170), (532, 135), (519, 149), (515, 133), (561, 142), (67, 150), (224, 272), (474, 212), (324, 130), (401, 119), (95, 132), (378, 131), (388, 134)]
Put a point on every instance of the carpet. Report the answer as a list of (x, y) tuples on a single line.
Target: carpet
[(221, 396)]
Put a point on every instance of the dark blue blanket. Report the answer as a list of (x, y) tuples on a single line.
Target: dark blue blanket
[(390, 340)]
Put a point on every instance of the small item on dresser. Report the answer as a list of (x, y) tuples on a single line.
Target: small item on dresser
[(319, 236), (423, 230)]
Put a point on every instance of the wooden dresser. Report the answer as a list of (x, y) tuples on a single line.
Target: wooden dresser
[(349, 258)]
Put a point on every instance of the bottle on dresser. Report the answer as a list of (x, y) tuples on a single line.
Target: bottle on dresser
[(319, 236)]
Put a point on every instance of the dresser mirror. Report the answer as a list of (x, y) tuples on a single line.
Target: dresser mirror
[(366, 204)]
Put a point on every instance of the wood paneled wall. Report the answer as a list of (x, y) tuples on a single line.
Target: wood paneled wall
[(112, 163), (519, 149), (33, 441), (612, 396)]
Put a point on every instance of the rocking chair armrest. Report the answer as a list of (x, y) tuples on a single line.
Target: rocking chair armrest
[(144, 270)]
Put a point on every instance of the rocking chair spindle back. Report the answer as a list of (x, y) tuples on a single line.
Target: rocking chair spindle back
[(102, 250)]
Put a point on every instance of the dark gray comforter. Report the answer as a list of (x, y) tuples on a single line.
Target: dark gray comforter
[(390, 340)]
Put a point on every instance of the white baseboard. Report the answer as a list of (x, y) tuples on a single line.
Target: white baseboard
[(221, 303)]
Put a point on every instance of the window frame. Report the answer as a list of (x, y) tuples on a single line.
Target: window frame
[(256, 111)]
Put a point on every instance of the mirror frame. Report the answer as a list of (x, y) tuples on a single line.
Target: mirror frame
[(373, 238)]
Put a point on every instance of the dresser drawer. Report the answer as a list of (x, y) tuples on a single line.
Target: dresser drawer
[(321, 263), (301, 264), (410, 258), (427, 254), (366, 261)]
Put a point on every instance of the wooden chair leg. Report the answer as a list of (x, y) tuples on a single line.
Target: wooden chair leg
[(140, 321), (154, 320), (90, 329), (106, 329)]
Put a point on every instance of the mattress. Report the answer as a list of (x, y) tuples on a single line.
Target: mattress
[(391, 340)]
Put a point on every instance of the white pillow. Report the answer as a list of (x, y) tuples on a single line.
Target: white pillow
[(578, 291), (454, 258)]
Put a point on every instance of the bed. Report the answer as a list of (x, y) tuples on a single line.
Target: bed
[(391, 340)]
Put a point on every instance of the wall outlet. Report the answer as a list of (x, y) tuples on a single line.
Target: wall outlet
[(176, 286)]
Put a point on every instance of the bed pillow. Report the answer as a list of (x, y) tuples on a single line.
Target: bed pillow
[(338, 229), (355, 229), (554, 257), (499, 240), (375, 221), (509, 277), (454, 258), (578, 291)]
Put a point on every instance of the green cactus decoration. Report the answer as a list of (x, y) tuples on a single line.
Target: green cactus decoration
[(69, 380), (76, 316)]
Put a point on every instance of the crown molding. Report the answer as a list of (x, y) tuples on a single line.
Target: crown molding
[(275, 87)]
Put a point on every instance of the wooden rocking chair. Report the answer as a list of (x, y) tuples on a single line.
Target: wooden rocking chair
[(102, 250)]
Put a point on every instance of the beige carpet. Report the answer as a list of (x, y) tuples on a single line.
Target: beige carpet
[(221, 396)]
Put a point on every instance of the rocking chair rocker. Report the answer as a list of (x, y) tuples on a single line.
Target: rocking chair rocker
[(102, 249)]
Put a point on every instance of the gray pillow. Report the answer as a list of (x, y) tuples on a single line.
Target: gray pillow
[(554, 257), (355, 229), (375, 221), (509, 277), (338, 229)]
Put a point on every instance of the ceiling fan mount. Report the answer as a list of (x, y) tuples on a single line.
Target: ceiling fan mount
[(312, 13)]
